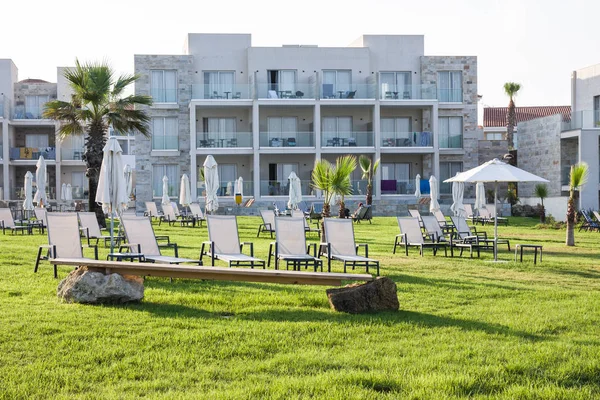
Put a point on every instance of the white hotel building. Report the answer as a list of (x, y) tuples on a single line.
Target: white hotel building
[(263, 112)]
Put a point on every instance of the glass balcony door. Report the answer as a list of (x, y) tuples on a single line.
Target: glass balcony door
[(396, 85), (227, 177), (219, 84), (219, 132), (282, 129), (336, 83), (395, 178), (34, 105), (336, 130), (164, 86), (395, 131), (282, 82), (450, 86)]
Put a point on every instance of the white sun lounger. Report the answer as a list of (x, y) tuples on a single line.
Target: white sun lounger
[(290, 245), (7, 222), (197, 213), (152, 210), (268, 225), (340, 245), (91, 229), (412, 236)]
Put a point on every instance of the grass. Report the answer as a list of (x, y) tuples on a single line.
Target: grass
[(467, 328)]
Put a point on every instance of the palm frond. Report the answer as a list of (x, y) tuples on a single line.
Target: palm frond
[(376, 166), (511, 89), (578, 176), (122, 82), (541, 191)]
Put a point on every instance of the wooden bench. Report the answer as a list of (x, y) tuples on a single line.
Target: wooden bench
[(214, 273)]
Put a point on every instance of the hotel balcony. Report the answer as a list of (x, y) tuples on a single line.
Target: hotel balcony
[(407, 139), (347, 91), (408, 92), (221, 92), (287, 139), (295, 91), (32, 153), (224, 140), (347, 139)]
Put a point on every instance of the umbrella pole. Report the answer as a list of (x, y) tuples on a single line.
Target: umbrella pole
[(496, 222), (112, 229)]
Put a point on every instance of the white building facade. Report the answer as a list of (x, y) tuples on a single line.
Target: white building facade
[(264, 112)]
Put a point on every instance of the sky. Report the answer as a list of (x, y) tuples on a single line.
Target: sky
[(537, 43)]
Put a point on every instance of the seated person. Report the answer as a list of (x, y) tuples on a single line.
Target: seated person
[(355, 213)]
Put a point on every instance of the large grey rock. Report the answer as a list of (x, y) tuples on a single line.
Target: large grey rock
[(377, 295), (84, 286)]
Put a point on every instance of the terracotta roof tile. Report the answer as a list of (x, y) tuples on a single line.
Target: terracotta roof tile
[(496, 116)]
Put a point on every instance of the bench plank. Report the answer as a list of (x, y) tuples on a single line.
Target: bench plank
[(215, 273)]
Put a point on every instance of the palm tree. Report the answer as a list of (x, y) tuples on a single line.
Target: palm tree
[(331, 180), (511, 89), (541, 191), (368, 169), (97, 102), (577, 178)]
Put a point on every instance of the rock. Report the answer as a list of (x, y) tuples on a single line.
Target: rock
[(377, 295), (84, 286)]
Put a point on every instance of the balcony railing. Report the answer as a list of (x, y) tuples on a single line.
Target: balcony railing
[(21, 112), (408, 92), (450, 95), (287, 139), (354, 91), (167, 142), (71, 154), (221, 92), (397, 186), (586, 119), (224, 140), (228, 189), (32, 153), (286, 91), (1, 107), (163, 95), (347, 139), (282, 188), (407, 139)]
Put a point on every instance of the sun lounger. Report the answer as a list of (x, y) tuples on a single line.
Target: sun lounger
[(464, 234), (63, 240), (171, 217), (411, 236), (141, 239), (492, 211), (588, 222), (152, 210), (40, 218), (307, 227), (364, 214), (224, 243), (91, 230), (268, 222), (7, 222), (196, 212), (290, 245), (340, 245)]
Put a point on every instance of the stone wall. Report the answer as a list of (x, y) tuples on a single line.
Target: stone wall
[(23, 89), (488, 150), (540, 153), (145, 158)]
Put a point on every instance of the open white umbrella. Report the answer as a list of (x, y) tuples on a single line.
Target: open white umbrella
[(479, 195), (112, 190), (458, 191), (239, 186), (40, 180), (211, 183), (185, 191), (295, 195), (63, 192), (165, 191), (127, 173), (433, 193), (69, 192), (418, 186), (496, 171), (28, 203)]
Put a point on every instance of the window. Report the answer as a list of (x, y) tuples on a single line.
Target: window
[(494, 136), (450, 132), (158, 172), (281, 128), (450, 86), (227, 177), (447, 171), (596, 111), (396, 85), (336, 82), (336, 128), (218, 132), (34, 106), (396, 132), (278, 178), (164, 134), (282, 80), (36, 140), (164, 86), (79, 185), (395, 178), (218, 84)]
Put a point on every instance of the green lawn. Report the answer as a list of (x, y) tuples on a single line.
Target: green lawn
[(466, 328)]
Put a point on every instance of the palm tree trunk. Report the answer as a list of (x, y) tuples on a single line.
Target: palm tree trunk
[(94, 145), (570, 221), (510, 124), (369, 199), (342, 211), (325, 214)]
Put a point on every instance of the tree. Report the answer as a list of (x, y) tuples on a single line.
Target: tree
[(541, 191), (511, 89), (331, 180), (368, 170), (97, 102), (577, 178)]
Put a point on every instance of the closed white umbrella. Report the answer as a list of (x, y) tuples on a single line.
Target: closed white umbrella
[(458, 191), (112, 190), (165, 191), (229, 188), (28, 203), (69, 192), (496, 171), (239, 186), (185, 191), (433, 192), (40, 180), (418, 186), (211, 183), (127, 173), (63, 192), (295, 195), (479, 195)]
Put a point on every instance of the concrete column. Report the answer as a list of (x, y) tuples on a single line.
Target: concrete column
[(317, 127), (192, 155), (255, 146), (588, 153), (5, 158), (436, 148), (58, 161), (377, 143)]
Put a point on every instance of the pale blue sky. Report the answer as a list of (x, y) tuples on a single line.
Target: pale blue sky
[(537, 43)]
